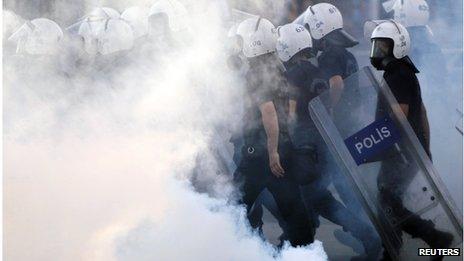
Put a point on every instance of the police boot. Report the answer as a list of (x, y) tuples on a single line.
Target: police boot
[(282, 238), (425, 230), (439, 239), (386, 256)]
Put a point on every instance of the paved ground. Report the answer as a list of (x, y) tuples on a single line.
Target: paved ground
[(335, 250)]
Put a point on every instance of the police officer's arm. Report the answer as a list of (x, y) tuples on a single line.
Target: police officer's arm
[(405, 108), (332, 66), (292, 109), (271, 126), (294, 92), (401, 87), (336, 89)]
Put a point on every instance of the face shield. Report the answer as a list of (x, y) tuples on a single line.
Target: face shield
[(340, 37), (303, 55), (308, 53), (381, 48)]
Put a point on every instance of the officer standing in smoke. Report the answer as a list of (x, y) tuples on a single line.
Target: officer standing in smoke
[(39, 38), (40, 43), (109, 41), (167, 25), (137, 18), (294, 47), (390, 49), (325, 24), (266, 155), (238, 63), (84, 36)]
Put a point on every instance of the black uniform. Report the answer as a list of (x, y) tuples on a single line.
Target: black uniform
[(401, 78), (305, 84), (265, 84), (336, 60), (395, 174), (310, 158)]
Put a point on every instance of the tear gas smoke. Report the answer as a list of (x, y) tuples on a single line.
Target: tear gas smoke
[(97, 162), (442, 84)]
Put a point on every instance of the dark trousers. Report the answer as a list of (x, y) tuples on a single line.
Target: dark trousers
[(318, 197), (265, 199), (255, 175), (255, 216), (314, 167), (394, 179)]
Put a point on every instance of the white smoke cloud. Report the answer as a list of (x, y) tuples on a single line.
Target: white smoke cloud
[(96, 165)]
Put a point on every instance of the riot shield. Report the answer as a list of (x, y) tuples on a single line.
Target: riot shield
[(388, 168), (459, 123)]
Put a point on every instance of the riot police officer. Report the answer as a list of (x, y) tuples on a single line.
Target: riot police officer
[(390, 49), (266, 154), (309, 169), (325, 23)]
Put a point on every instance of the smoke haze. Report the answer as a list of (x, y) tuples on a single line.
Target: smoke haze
[(97, 162)]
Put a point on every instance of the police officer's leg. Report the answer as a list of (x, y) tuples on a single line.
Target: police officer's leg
[(341, 184), (304, 171), (317, 195), (300, 231), (393, 181), (250, 178), (267, 200), (255, 214)]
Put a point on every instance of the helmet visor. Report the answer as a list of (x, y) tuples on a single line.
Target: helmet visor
[(308, 53), (381, 48), (340, 37)]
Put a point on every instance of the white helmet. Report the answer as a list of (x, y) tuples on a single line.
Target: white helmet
[(116, 36), (99, 14), (92, 25), (411, 12), (103, 13), (89, 30), (174, 11), (369, 27), (233, 44), (137, 18), (39, 36), (398, 35), (323, 19), (258, 35), (292, 38), (11, 23)]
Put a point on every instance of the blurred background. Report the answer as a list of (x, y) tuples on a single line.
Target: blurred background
[(355, 12)]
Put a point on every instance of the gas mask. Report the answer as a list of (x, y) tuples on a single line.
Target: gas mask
[(381, 52)]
